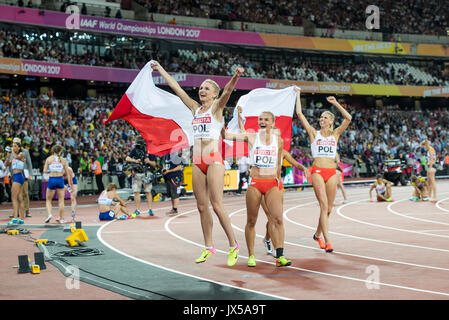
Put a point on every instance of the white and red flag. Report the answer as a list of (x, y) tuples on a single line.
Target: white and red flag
[(280, 102), (161, 118)]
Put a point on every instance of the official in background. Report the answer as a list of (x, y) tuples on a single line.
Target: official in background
[(97, 171), (142, 167), (243, 164), (173, 177)]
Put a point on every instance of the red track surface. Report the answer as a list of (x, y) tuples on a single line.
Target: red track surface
[(397, 250)]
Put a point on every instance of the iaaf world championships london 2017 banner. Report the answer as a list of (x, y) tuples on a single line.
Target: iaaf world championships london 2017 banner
[(125, 27), (146, 29), (158, 30), (81, 72)]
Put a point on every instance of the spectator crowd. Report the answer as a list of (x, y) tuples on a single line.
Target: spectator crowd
[(383, 133), (375, 134), (44, 121), (301, 67), (408, 16)]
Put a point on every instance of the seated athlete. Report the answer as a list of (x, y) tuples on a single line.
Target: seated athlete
[(106, 200), (420, 189), (383, 189)]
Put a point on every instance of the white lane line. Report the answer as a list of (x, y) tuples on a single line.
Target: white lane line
[(389, 208), (308, 270), (365, 238), (342, 234), (351, 254), (441, 208), (99, 232), (382, 226), (435, 230), (300, 269)]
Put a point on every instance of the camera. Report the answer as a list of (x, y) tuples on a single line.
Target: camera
[(8, 149), (135, 167), (140, 144)]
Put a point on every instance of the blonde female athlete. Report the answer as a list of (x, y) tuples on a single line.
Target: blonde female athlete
[(266, 147), (288, 157), (208, 169), (55, 165), (324, 149), (431, 159)]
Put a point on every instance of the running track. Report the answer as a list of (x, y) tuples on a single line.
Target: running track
[(397, 250)]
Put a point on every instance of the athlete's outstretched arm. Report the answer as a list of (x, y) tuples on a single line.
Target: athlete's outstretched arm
[(241, 124), (174, 85), (234, 136), (295, 163), (227, 90), (345, 114), (309, 129)]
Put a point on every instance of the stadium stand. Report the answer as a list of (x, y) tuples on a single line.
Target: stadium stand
[(43, 113), (87, 49)]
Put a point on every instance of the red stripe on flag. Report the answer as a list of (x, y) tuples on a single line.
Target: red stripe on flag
[(239, 148), (162, 136)]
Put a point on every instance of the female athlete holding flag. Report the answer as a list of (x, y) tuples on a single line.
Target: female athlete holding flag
[(208, 169), (266, 148)]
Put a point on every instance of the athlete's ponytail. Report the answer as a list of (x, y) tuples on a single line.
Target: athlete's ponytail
[(57, 149)]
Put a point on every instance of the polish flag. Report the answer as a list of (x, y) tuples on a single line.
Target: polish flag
[(280, 102), (162, 119)]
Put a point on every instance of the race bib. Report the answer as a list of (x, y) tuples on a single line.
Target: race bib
[(201, 127)]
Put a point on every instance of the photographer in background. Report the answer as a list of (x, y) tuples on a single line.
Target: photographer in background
[(173, 177), (142, 166)]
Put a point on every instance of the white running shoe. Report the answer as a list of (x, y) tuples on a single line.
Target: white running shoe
[(268, 246), (48, 218)]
